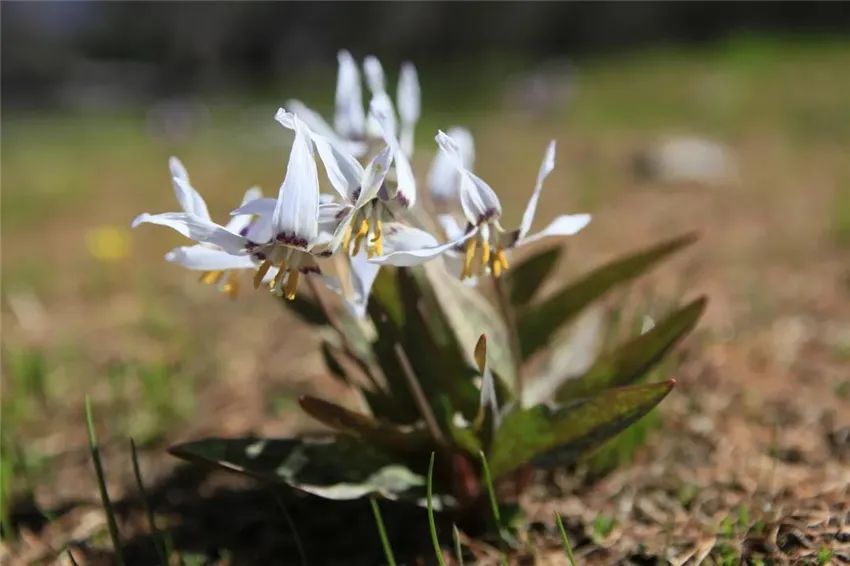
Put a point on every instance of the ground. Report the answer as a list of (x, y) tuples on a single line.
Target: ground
[(750, 459)]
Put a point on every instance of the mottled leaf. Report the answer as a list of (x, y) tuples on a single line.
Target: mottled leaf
[(630, 361), (524, 279), (538, 324), (380, 433), (550, 436), (331, 467)]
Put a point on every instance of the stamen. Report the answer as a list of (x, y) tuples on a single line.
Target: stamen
[(211, 277), (377, 239), (346, 238), (232, 286), (278, 279), (497, 269), (291, 285), (361, 233), (261, 273), (503, 259), (485, 252), (471, 246)]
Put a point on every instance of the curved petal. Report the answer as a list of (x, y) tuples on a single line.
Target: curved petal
[(189, 199), (443, 176), (374, 175), (296, 212), (259, 206), (564, 225), (349, 117), (363, 275), (239, 222), (406, 246), (405, 180), (408, 99), (545, 168), (478, 200), (318, 125), (343, 170), (206, 258), (196, 228)]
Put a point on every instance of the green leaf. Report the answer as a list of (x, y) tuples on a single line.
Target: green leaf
[(551, 436), (469, 315), (380, 433), (538, 324), (630, 361), (525, 279), (330, 467)]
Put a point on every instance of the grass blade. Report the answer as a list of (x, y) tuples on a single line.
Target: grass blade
[(565, 541), (101, 483), (432, 526), (161, 547), (458, 549), (382, 532), (491, 492)]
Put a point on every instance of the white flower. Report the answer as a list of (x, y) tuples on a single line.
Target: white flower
[(288, 232), (443, 177), (408, 98), (217, 264), (484, 242)]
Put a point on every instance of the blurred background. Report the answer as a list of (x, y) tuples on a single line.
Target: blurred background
[(730, 119)]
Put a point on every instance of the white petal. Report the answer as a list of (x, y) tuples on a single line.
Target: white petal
[(405, 246), (343, 169), (189, 199), (374, 175), (405, 180), (450, 226), (261, 230), (259, 206), (443, 177), (199, 229), (545, 168), (178, 169), (374, 74), (382, 103), (296, 213), (206, 258), (363, 275), (408, 99), (478, 199), (564, 225), (239, 222), (349, 118), (318, 125)]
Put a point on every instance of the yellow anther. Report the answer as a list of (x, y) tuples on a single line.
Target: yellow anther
[(291, 285), (361, 233), (261, 273), (232, 286), (497, 269), (471, 246), (211, 277), (346, 238), (377, 238), (503, 259), (485, 252), (278, 279)]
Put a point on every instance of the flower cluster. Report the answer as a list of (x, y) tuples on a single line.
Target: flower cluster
[(373, 216)]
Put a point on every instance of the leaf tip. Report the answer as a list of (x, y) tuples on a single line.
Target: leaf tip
[(481, 352)]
